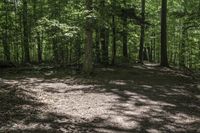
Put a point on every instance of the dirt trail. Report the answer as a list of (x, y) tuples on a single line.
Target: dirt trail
[(135, 99)]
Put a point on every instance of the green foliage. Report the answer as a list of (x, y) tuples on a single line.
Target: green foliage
[(64, 22), (56, 29)]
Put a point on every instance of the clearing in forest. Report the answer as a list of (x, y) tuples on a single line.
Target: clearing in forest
[(112, 100)]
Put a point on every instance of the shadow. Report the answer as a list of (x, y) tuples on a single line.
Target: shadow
[(113, 100), (157, 100), (21, 112)]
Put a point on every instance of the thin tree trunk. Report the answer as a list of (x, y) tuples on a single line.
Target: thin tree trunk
[(26, 32), (39, 48), (104, 46), (97, 48), (88, 62), (142, 36), (114, 40), (125, 38), (6, 46), (164, 58)]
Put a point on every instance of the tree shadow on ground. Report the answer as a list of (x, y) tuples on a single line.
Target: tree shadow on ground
[(21, 112), (144, 101), (159, 101)]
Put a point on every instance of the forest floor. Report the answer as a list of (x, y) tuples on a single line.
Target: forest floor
[(144, 99)]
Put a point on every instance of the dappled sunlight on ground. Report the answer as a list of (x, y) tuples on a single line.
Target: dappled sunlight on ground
[(118, 103)]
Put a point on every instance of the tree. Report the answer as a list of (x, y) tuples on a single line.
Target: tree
[(142, 36), (55, 31), (113, 34), (164, 58), (26, 32), (104, 33), (125, 33), (5, 42), (88, 61)]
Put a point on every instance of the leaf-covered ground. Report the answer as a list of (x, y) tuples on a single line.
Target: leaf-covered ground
[(112, 100)]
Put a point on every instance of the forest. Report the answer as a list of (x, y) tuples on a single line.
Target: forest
[(105, 66)]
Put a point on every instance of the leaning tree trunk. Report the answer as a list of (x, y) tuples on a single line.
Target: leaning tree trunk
[(88, 62), (164, 58)]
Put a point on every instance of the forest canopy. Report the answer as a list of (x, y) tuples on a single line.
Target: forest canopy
[(68, 32)]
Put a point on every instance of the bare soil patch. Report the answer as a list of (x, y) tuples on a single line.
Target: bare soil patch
[(125, 100)]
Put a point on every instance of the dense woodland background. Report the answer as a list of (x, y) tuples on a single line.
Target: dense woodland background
[(146, 55), (107, 32)]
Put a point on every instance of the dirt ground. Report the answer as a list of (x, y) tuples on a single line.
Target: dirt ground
[(112, 100)]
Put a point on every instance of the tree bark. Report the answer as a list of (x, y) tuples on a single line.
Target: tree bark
[(114, 40), (164, 58), (26, 32), (104, 45), (125, 38), (97, 48), (6, 46), (142, 36), (88, 61), (39, 48)]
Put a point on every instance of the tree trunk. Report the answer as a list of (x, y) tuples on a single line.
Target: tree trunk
[(6, 46), (88, 62), (182, 47), (97, 48), (104, 45), (114, 40), (142, 36), (26, 32), (39, 48), (164, 58), (125, 38), (55, 50)]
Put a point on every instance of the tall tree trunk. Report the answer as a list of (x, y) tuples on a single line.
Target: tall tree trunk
[(39, 48), (114, 40), (164, 58), (125, 38), (182, 47), (6, 46), (104, 46), (38, 37), (97, 48), (88, 62), (113, 33), (183, 40), (26, 32), (142, 36), (55, 50), (154, 46), (104, 33), (107, 40)]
